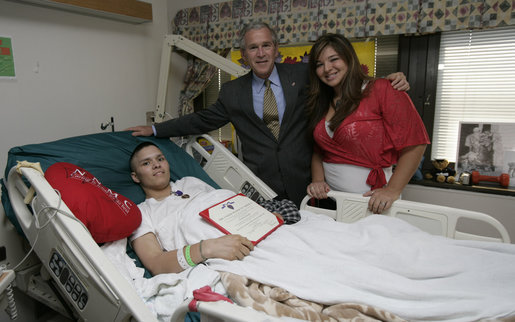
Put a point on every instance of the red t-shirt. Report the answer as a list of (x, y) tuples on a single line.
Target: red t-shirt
[(384, 123)]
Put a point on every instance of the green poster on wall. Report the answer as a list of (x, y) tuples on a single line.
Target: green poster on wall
[(6, 58)]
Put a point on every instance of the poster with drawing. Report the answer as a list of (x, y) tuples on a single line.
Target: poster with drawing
[(486, 147)]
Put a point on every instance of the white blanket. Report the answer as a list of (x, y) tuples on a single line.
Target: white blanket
[(380, 261), (165, 292)]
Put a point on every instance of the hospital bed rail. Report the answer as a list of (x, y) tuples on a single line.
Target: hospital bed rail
[(77, 257), (434, 219), (227, 170), (230, 173), (65, 247), (76, 263)]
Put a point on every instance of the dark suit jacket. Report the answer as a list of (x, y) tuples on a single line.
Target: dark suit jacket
[(283, 164)]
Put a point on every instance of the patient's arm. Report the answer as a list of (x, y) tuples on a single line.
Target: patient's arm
[(230, 247), (158, 261), (153, 257)]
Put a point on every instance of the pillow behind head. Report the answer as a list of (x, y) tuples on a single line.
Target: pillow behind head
[(108, 215)]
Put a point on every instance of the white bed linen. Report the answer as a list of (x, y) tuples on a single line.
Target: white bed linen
[(379, 261), (165, 292)]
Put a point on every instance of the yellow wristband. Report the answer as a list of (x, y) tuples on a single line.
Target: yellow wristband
[(188, 257)]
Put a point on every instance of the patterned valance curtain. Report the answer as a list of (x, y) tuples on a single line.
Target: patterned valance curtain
[(299, 21), (198, 75)]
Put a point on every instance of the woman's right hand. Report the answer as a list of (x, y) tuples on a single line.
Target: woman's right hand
[(318, 190), (229, 247)]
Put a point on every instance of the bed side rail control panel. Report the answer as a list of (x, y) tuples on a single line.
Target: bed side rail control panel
[(76, 291), (226, 169)]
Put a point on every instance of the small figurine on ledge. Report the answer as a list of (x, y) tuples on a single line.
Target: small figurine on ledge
[(441, 172)]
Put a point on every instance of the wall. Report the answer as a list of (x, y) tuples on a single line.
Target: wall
[(73, 72)]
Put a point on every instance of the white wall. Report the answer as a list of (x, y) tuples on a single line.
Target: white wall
[(73, 72)]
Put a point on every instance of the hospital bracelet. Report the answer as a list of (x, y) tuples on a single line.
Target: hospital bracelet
[(188, 257), (180, 258)]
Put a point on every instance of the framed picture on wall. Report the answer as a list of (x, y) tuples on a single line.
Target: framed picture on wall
[(485, 147)]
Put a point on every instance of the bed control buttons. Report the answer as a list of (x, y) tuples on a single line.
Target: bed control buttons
[(83, 299), (75, 296), (64, 275), (56, 265), (67, 278)]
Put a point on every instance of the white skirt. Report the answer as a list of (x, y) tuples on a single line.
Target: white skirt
[(349, 177)]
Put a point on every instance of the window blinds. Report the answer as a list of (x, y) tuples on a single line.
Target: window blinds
[(476, 83)]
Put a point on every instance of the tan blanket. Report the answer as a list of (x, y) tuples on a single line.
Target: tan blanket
[(279, 302)]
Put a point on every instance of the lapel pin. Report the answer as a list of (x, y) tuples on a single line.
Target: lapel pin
[(293, 84)]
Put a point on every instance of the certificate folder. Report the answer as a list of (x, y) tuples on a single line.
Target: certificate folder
[(240, 215)]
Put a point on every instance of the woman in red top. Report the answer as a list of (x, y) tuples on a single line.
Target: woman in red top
[(361, 128)]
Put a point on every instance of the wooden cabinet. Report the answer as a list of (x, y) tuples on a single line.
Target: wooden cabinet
[(132, 11)]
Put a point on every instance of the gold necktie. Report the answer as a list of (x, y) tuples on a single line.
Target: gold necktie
[(270, 114)]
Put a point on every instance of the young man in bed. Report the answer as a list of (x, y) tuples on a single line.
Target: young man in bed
[(166, 201), (376, 261)]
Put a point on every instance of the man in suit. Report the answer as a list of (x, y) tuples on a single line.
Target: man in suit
[(282, 162)]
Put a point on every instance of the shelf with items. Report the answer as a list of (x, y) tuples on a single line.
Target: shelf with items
[(132, 11), (484, 187)]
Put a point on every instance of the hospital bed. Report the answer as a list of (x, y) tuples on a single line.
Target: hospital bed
[(68, 271)]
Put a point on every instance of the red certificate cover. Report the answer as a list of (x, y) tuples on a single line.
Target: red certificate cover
[(240, 215)]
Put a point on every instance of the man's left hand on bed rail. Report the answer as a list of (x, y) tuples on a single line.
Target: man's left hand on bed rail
[(141, 130)]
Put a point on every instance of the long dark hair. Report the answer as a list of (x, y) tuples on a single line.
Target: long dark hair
[(320, 95)]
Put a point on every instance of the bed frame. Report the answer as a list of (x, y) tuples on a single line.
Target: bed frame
[(227, 170), (95, 290), (434, 219)]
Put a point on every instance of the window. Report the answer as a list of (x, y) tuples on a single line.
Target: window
[(386, 55), (476, 83)]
